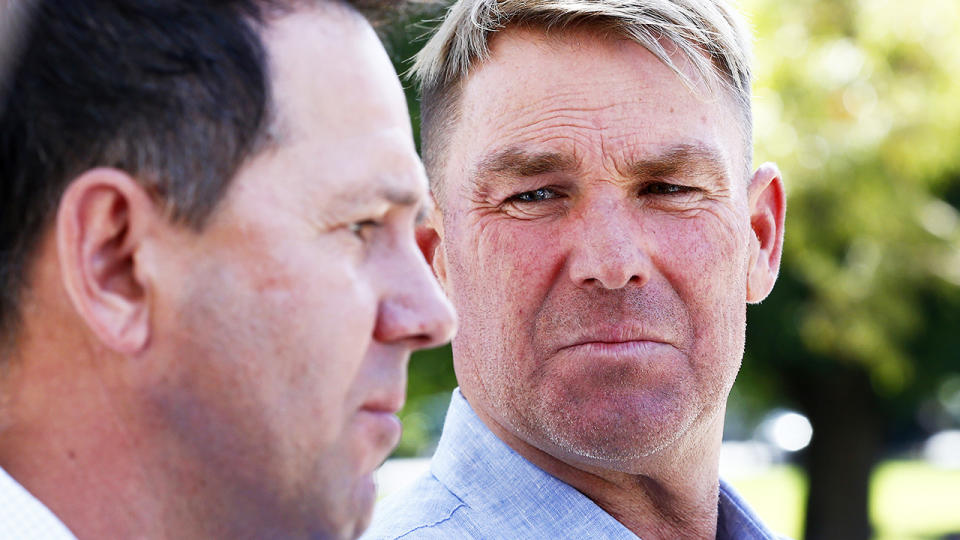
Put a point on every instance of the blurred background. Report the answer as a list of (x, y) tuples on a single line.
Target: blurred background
[(845, 420)]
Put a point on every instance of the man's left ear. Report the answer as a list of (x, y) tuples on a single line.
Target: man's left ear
[(767, 210), (103, 220)]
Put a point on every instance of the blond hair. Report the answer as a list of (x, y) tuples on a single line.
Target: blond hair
[(708, 34)]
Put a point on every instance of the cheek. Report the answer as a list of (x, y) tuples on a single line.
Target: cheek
[(705, 257), (321, 320), (316, 313), (705, 260), (276, 341), (499, 279), (502, 274)]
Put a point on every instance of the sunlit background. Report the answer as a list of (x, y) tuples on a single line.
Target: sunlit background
[(845, 421)]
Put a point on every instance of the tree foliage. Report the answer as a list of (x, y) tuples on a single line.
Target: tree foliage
[(857, 102)]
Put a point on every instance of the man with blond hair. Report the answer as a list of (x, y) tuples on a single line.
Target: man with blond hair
[(600, 232)]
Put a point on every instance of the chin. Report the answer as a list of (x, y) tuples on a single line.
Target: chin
[(608, 447), (621, 432), (347, 530), (347, 509), (365, 495)]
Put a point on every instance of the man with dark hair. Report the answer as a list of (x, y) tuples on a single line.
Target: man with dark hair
[(209, 285)]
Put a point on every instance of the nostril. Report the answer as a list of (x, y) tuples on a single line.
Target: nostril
[(611, 280), (417, 323), (421, 341), (600, 266)]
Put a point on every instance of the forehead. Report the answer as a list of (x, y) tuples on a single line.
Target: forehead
[(327, 64), (579, 91), (339, 115)]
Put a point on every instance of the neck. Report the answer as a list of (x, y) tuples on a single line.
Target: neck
[(64, 444), (74, 439), (671, 494), (107, 470), (78, 431)]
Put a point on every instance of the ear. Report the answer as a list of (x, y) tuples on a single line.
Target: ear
[(430, 241), (767, 210), (102, 222)]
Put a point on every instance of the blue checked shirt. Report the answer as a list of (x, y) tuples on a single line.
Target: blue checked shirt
[(22, 516), (478, 487)]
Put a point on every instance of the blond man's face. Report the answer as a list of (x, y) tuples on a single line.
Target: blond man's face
[(596, 242)]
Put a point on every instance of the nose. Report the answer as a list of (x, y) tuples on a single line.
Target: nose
[(413, 311), (609, 250)]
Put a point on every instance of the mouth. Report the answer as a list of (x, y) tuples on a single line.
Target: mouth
[(384, 425), (616, 339), (381, 433), (378, 418), (385, 401), (629, 347)]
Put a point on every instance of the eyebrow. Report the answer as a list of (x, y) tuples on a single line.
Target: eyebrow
[(380, 192), (408, 198), (681, 160), (684, 159), (400, 197), (515, 162)]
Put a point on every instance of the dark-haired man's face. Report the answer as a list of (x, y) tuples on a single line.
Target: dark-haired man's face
[(291, 317)]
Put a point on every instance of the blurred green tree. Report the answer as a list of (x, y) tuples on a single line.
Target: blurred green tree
[(858, 101)]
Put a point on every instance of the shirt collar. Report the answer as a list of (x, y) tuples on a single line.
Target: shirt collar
[(23, 516), (490, 477)]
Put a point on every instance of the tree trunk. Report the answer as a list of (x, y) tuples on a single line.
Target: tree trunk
[(847, 436)]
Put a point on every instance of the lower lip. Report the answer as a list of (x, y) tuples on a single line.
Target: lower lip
[(383, 425)]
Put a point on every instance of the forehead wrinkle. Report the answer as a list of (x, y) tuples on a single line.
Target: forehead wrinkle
[(538, 119)]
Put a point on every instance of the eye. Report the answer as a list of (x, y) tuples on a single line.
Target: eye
[(537, 195), (363, 228), (664, 188)]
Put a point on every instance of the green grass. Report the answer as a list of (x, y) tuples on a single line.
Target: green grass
[(910, 500), (777, 495)]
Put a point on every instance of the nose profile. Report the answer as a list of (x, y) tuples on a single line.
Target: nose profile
[(608, 252), (414, 309)]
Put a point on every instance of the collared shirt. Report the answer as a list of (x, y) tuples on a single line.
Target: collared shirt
[(478, 487), (23, 516)]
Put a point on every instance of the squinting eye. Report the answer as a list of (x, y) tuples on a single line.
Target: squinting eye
[(359, 228), (536, 195), (662, 188)]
